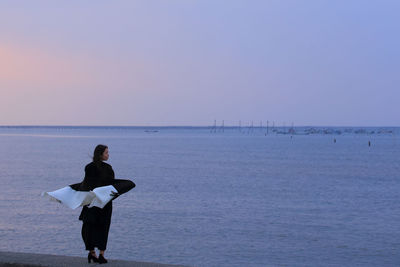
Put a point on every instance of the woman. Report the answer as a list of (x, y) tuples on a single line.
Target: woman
[(96, 221)]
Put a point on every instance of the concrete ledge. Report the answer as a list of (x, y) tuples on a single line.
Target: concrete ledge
[(14, 259)]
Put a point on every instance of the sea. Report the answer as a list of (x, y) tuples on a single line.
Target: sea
[(212, 196)]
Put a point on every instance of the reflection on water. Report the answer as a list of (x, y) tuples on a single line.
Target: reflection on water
[(205, 199)]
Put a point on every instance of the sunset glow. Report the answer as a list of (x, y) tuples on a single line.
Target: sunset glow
[(193, 62)]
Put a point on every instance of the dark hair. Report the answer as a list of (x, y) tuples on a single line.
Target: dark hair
[(98, 152)]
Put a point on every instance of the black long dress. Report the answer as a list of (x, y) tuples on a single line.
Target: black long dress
[(96, 221)]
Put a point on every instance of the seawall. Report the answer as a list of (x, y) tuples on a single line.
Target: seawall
[(15, 259)]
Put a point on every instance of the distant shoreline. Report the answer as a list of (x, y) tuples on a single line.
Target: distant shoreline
[(220, 129), (182, 127)]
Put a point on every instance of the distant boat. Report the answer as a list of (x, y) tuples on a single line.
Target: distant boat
[(383, 131), (151, 131)]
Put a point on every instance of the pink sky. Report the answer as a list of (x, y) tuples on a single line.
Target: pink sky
[(190, 62)]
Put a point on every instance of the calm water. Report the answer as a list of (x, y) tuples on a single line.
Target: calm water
[(211, 199)]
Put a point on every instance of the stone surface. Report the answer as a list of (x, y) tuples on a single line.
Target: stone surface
[(14, 259)]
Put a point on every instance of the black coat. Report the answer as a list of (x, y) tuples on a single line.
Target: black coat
[(96, 221), (102, 174)]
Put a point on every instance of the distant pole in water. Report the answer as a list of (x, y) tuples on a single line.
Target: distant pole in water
[(369, 143), (291, 130), (214, 129), (267, 126), (334, 140)]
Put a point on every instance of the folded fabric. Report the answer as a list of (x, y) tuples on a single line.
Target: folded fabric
[(73, 199), (103, 196), (77, 195)]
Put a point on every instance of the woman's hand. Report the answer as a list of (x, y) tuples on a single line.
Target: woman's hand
[(114, 194)]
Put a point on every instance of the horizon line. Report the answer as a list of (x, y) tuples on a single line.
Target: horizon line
[(188, 126)]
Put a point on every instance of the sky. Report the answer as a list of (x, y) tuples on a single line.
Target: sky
[(183, 62)]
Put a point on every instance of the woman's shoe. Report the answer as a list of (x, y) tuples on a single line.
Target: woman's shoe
[(90, 257), (102, 259)]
